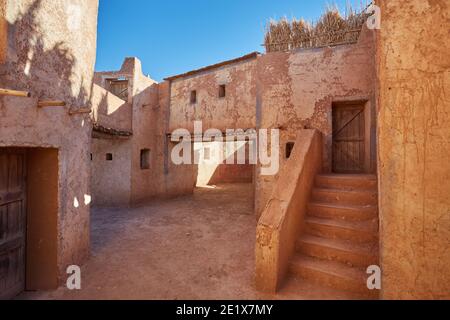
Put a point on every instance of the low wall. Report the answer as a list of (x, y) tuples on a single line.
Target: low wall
[(110, 111), (232, 173), (282, 218), (296, 90)]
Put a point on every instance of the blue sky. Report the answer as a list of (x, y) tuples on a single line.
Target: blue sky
[(175, 36)]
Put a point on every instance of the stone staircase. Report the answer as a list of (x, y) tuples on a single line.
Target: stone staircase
[(340, 238)]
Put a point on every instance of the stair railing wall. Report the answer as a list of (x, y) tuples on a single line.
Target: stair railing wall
[(283, 217)]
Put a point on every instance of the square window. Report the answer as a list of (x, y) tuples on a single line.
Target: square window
[(145, 159), (289, 148), (109, 157), (193, 96), (119, 87), (222, 91)]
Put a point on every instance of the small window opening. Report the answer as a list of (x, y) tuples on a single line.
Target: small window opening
[(119, 87), (289, 148), (109, 157), (222, 91), (193, 96), (91, 157), (145, 159)]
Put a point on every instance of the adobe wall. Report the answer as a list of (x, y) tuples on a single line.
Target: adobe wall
[(151, 109), (414, 133), (51, 48), (109, 111), (134, 115), (176, 180), (289, 91), (164, 179), (210, 172), (110, 180), (44, 37), (296, 90), (242, 173), (144, 183), (235, 110), (3, 31), (283, 219)]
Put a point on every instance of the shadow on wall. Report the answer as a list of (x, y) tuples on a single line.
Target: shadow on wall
[(41, 57), (110, 111), (46, 72), (210, 172)]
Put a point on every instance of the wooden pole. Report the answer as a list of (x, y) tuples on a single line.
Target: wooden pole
[(49, 103), (80, 111), (7, 92)]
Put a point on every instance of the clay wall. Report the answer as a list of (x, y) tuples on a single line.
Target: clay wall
[(51, 53), (414, 134), (296, 90)]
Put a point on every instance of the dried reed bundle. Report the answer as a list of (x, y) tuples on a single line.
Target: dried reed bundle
[(331, 28), (302, 34), (279, 33)]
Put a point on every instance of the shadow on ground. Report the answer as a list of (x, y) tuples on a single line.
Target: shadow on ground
[(192, 247)]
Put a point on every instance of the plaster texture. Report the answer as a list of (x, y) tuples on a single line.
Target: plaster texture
[(234, 111), (400, 72), (414, 134), (52, 56), (121, 181), (296, 90), (283, 218)]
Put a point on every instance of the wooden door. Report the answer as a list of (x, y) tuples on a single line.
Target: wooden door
[(348, 138), (12, 222)]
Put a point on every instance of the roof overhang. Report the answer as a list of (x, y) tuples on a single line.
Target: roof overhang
[(101, 132), (250, 56)]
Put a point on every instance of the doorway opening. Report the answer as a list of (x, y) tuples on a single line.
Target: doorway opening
[(28, 220)]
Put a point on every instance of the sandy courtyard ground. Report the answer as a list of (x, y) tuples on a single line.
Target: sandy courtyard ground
[(193, 247)]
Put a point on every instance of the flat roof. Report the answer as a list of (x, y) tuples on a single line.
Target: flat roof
[(249, 56), (110, 131)]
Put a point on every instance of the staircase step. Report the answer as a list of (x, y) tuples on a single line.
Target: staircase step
[(330, 273), (350, 253), (347, 181), (344, 197), (340, 238), (358, 231), (343, 212), (301, 288)]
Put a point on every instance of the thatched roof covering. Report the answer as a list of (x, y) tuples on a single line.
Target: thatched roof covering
[(332, 28)]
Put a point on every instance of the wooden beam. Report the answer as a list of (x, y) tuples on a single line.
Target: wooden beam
[(80, 111), (8, 92), (50, 103)]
